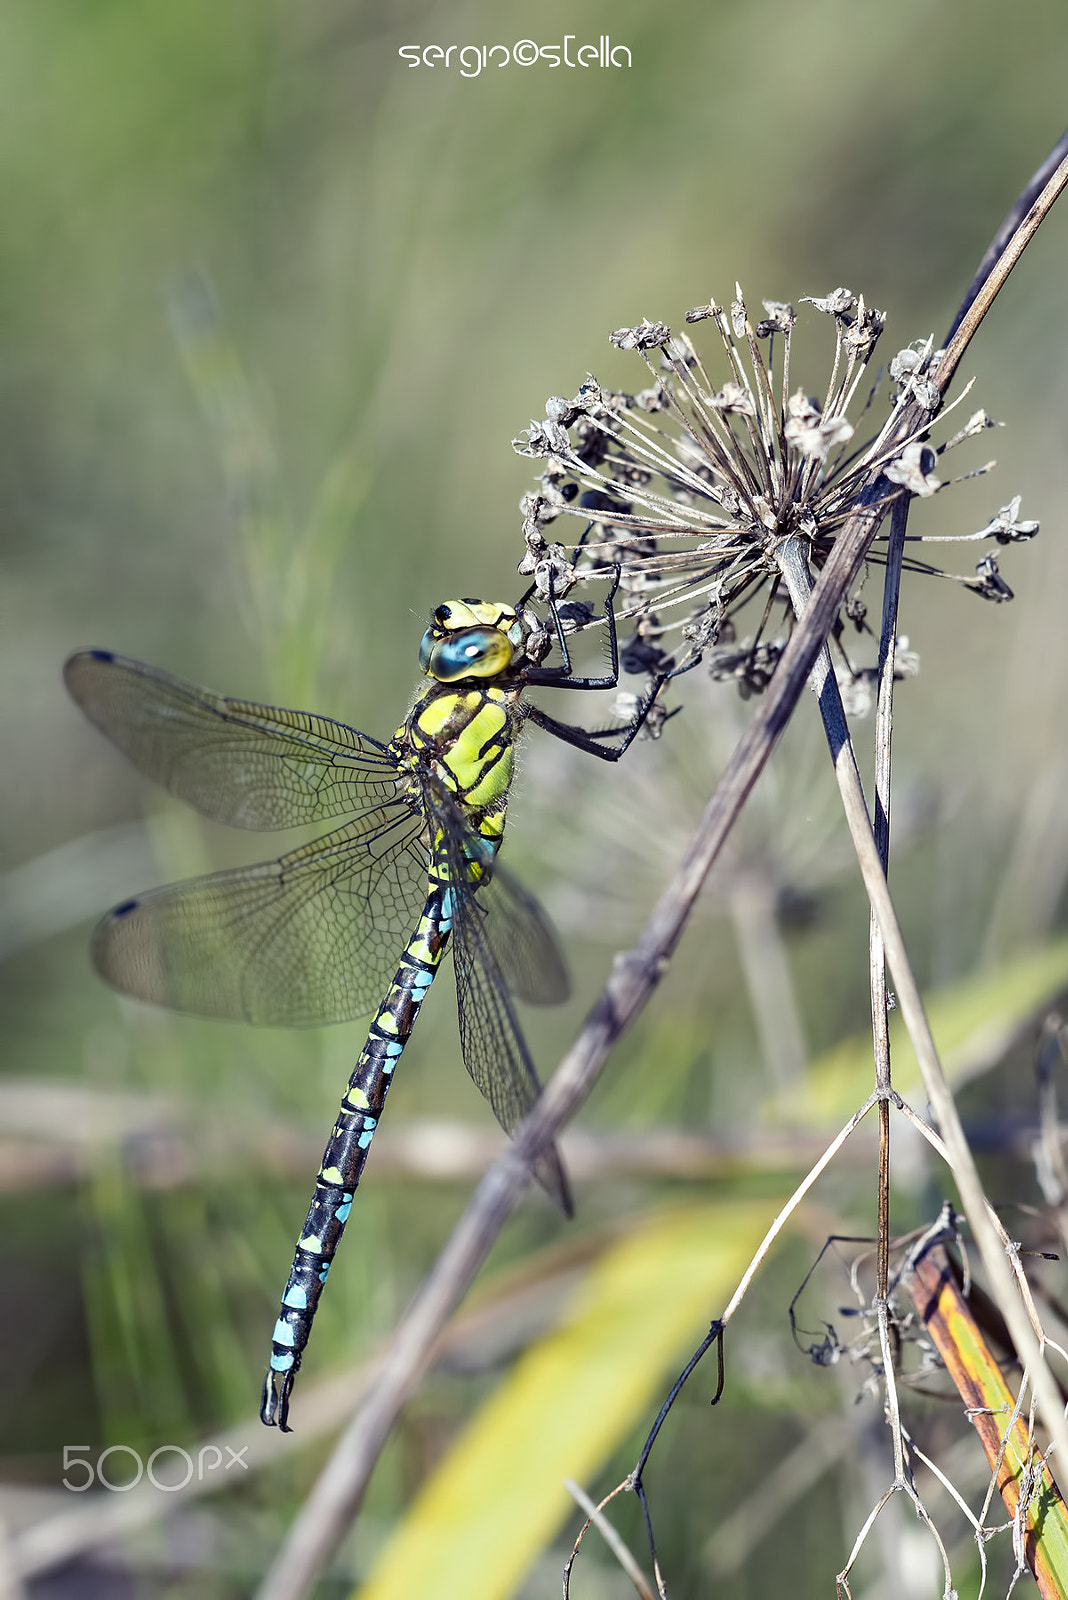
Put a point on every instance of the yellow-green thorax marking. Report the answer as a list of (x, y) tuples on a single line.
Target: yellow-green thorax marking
[(464, 736)]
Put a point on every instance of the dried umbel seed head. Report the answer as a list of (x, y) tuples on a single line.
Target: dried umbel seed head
[(691, 485)]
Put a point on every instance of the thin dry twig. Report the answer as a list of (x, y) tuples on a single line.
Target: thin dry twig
[(948, 1485), (877, 961), (1027, 198), (787, 1211), (1004, 1284), (595, 1518), (1005, 250), (798, 581)]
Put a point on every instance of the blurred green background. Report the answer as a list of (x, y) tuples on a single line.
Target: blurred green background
[(273, 304)]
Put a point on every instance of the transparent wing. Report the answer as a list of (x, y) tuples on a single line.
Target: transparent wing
[(249, 765), (310, 938), (513, 927), (494, 1051), (522, 941), (497, 927)]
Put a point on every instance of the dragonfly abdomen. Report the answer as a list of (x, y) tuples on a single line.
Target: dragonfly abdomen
[(346, 1152)]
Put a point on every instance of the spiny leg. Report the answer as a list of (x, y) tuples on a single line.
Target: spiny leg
[(563, 678)]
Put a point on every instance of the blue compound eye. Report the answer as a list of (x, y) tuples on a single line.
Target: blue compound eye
[(426, 650), (468, 653)]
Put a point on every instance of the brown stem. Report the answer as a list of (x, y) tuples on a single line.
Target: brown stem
[(1021, 206), (877, 955), (983, 297)]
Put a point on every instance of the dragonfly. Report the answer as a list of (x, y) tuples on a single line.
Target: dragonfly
[(368, 909)]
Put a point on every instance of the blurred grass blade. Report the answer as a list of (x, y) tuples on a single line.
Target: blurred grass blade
[(973, 1022), (1015, 1461), (498, 1496), (136, 1369)]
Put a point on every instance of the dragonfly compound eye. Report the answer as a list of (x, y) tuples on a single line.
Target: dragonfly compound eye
[(467, 653)]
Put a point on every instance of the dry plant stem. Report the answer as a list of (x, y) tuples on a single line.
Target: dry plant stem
[(877, 965), (1004, 259), (792, 1204), (841, 1582), (842, 1579), (596, 1517), (1003, 1283), (883, 735), (795, 570), (1016, 216), (326, 1514)]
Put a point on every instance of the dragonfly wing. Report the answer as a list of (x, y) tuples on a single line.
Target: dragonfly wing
[(307, 939), (249, 765), (497, 930), (494, 1051), (523, 941), (513, 927)]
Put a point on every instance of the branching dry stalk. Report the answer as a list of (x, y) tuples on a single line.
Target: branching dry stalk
[(336, 1496), (1005, 1287), (595, 1518)]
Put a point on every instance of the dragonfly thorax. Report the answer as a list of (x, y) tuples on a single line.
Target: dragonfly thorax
[(470, 639), (463, 739)]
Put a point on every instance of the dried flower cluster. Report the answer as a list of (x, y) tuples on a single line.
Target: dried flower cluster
[(694, 490)]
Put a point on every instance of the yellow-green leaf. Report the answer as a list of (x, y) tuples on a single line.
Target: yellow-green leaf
[(497, 1498), (1019, 1469), (970, 1021)]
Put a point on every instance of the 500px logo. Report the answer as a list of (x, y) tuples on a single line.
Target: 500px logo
[(209, 1458), (474, 58)]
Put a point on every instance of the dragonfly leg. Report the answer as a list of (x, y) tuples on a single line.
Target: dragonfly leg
[(585, 739), (595, 743), (563, 677)]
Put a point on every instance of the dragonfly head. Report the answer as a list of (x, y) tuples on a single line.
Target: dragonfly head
[(471, 639)]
